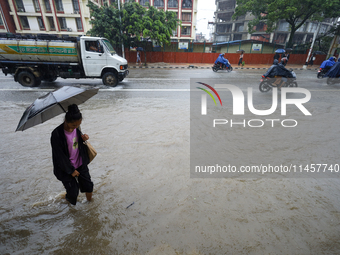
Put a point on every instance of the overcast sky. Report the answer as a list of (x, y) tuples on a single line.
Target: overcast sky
[(205, 9)]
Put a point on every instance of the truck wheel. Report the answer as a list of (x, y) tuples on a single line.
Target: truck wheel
[(110, 79), (26, 79)]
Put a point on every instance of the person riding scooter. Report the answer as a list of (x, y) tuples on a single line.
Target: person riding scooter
[(325, 66), (222, 61), (278, 71), (328, 63)]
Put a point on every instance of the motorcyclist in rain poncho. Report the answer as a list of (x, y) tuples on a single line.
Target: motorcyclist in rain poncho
[(328, 63), (278, 71), (334, 72), (222, 60)]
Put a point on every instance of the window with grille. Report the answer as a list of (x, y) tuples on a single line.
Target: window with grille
[(20, 6), (24, 22), (143, 2), (47, 6), (62, 22), (41, 23), (36, 5), (79, 24), (186, 17), (187, 4), (51, 23), (75, 5), (59, 5), (158, 3), (185, 30), (172, 4)]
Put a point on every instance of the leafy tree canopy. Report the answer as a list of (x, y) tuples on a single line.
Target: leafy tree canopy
[(295, 12), (135, 22), (105, 22), (158, 25)]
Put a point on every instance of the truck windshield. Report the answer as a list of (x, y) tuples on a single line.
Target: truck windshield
[(109, 46)]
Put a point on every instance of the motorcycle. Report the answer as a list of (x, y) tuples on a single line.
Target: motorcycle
[(267, 83), (217, 67), (322, 72)]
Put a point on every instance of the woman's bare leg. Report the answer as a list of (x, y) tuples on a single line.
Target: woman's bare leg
[(88, 196)]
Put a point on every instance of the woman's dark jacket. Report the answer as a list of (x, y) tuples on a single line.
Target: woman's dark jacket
[(60, 155)]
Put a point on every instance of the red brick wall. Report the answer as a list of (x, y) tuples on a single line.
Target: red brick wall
[(209, 58)]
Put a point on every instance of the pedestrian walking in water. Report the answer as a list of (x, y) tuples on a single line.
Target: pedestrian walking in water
[(70, 156)]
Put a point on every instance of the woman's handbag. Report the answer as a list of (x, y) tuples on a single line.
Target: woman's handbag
[(91, 151)]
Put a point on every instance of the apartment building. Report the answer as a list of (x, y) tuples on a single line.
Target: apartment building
[(71, 17), (227, 29), (63, 17)]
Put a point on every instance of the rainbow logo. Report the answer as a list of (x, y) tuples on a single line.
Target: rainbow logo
[(213, 90)]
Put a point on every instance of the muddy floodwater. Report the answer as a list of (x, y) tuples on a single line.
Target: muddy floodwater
[(144, 200)]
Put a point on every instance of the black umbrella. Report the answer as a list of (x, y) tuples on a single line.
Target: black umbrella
[(52, 104), (319, 53), (240, 51), (289, 49)]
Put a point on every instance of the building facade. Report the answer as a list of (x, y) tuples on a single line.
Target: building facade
[(227, 29), (71, 17), (62, 17)]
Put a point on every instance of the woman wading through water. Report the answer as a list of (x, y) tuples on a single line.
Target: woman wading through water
[(70, 157)]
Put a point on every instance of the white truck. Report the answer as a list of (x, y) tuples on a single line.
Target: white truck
[(46, 58)]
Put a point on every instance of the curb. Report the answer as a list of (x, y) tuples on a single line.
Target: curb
[(202, 67)]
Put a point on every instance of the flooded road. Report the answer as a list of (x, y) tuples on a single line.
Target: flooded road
[(144, 200)]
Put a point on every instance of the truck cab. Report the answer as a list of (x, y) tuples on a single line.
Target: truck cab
[(100, 60)]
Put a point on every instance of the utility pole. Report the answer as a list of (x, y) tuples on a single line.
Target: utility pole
[(334, 45), (311, 47), (120, 19)]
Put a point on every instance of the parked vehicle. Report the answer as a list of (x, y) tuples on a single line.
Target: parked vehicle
[(46, 57), (217, 67)]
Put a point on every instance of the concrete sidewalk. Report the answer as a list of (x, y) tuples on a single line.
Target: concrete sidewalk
[(208, 66)]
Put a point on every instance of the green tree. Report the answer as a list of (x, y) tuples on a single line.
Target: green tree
[(158, 25), (105, 22), (136, 22), (132, 22), (295, 12)]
